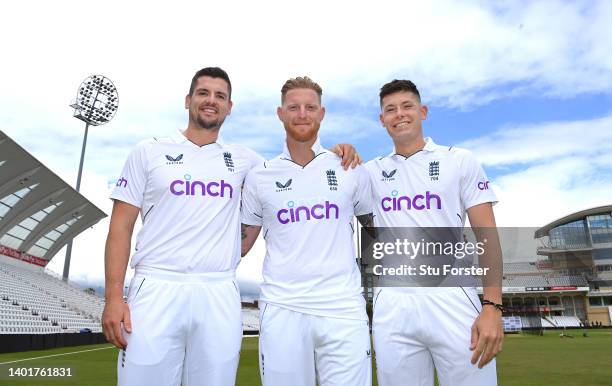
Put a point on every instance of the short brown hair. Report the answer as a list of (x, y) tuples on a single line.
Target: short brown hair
[(300, 82), (399, 85)]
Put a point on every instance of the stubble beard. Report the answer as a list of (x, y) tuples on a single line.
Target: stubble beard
[(201, 123), (210, 125), (301, 136)]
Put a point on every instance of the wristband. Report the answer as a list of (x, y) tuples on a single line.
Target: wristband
[(486, 302)]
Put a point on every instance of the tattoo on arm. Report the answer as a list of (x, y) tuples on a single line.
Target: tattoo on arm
[(243, 232), (366, 220)]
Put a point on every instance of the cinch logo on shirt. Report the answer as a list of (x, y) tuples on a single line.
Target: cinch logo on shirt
[(418, 202), (317, 212), (483, 185), (121, 182), (200, 188)]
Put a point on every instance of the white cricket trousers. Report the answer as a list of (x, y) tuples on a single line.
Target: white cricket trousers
[(413, 333), (298, 349), (186, 329)]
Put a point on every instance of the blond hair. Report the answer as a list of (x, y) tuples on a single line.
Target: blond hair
[(300, 82)]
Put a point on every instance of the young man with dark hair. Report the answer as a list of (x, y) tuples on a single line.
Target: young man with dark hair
[(419, 329), (313, 323), (182, 320)]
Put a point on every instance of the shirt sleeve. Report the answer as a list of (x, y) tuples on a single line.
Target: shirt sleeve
[(475, 186), (363, 202), (251, 211), (130, 186), (254, 158)]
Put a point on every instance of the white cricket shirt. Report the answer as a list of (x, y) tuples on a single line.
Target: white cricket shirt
[(432, 188), (307, 219), (189, 200)]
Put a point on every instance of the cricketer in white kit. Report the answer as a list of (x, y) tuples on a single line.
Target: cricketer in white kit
[(182, 320), (313, 323), (421, 184)]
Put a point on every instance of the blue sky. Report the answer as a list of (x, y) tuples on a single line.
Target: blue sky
[(525, 85)]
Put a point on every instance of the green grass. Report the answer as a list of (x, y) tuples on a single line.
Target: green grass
[(526, 360)]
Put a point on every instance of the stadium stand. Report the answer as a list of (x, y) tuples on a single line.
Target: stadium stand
[(572, 280), (521, 268), (525, 281), (250, 320), (530, 322), (565, 321), (512, 323), (36, 303), (544, 281), (546, 323)]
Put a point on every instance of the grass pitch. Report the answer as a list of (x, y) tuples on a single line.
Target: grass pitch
[(526, 360)]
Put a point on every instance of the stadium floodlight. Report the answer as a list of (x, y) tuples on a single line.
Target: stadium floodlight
[(96, 103)]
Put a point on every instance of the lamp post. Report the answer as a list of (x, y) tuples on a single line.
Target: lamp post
[(96, 104)]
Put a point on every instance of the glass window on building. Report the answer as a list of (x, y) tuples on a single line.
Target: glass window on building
[(602, 254), (595, 301), (579, 310), (601, 228), (607, 300), (569, 236)]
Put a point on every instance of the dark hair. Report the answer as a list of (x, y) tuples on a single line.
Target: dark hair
[(213, 72), (398, 85)]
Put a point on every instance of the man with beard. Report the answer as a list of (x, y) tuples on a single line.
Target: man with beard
[(313, 323), (182, 320)]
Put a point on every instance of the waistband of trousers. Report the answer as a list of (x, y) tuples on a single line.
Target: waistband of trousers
[(204, 277)]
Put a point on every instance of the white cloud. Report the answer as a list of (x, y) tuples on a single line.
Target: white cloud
[(545, 172), (553, 169), (541, 142), (461, 54), (455, 50), (543, 193)]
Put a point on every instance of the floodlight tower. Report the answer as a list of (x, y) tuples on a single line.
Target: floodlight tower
[(96, 104)]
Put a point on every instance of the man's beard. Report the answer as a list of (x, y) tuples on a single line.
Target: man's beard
[(302, 136), (210, 125), (206, 125)]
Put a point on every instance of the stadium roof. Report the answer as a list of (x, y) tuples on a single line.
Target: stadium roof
[(39, 212), (572, 217)]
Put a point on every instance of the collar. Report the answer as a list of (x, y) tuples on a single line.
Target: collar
[(316, 148), (430, 145), (180, 138)]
